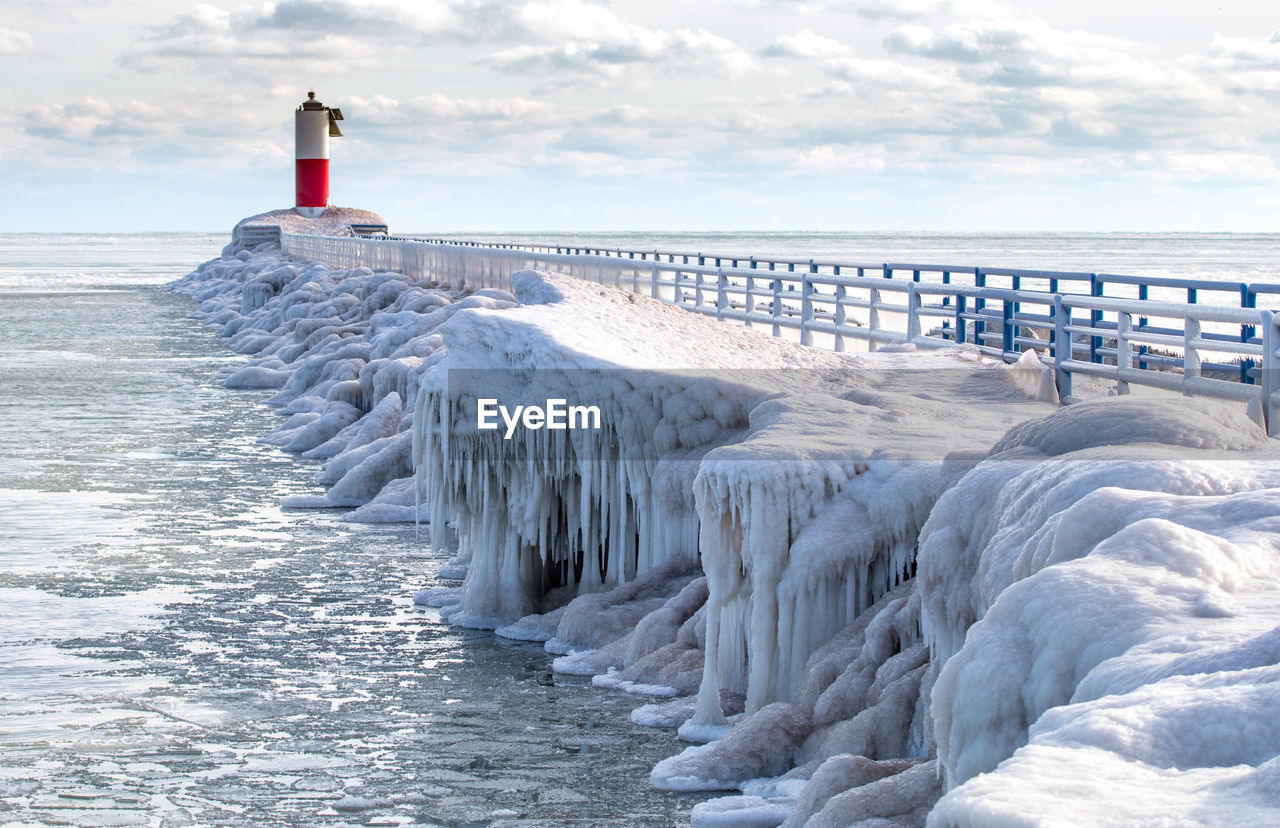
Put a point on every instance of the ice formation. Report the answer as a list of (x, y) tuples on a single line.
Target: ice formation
[(1119, 597), (548, 515), (868, 583), (343, 349), (1093, 611)]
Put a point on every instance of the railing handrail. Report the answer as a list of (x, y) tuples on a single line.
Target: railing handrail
[(1001, 321), (701, 258)]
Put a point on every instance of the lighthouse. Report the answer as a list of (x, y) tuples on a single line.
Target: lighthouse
[(314, 124)]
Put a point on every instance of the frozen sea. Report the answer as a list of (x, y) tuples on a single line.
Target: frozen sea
[(177, 650)]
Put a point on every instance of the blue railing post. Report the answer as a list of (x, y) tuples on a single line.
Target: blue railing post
[(1143, 321), (1095, 317), (979, 305), (1248, 299), (946, 301), (962, 326)]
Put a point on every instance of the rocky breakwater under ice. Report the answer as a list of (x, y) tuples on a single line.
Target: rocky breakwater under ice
[(816, 562), (345, 351), (880, 588)]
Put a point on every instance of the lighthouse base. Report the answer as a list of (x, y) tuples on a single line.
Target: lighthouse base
[(324, 221)]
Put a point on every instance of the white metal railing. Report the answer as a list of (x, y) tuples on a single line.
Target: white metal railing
[(1128, 340)]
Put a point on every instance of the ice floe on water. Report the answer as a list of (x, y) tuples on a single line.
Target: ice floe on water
[(872, 589)]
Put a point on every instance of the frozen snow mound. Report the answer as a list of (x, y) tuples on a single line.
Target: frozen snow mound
[(344, 348), (1187, 422), (870, 697), (1103, 610), (396, 502)]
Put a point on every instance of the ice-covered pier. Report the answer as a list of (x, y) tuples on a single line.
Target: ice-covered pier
[(881, 587), (1158, 331)]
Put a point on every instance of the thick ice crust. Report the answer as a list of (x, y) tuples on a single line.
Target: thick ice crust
[(869, 581)]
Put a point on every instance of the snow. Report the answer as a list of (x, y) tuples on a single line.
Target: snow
[(738, 812), (334, 221), (815, 514), (865, 583), (1032, 377), (1048, 592), (591, 508), (1109, 619), (359, 803), (859, 693), (395, 503), (343, 348), (668, 714)]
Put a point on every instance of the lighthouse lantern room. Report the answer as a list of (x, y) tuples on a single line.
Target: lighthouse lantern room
[(314, 125)]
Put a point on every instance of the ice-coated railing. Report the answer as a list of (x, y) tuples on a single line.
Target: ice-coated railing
[(1003, 311)]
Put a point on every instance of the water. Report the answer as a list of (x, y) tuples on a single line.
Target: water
[(175, 649)]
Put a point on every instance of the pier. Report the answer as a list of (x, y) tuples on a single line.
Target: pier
[(758, 525), (1210, 338)]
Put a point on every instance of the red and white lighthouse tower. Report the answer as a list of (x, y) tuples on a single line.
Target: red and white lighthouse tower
[(314, 124)]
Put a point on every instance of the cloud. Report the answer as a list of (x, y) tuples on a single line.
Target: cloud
[(295, 34), (971, 96), (888, 74), (977, 41), (805, 44), (553, 38), (1247, 51), (354, 18), (585, 39), (939, 96), (92, 133), (888, 10), (90, 120), (463, 124), (15, 41), (611, 60), (1072, 88), (827, 158)]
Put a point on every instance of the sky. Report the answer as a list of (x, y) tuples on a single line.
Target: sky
[(838, 115)]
